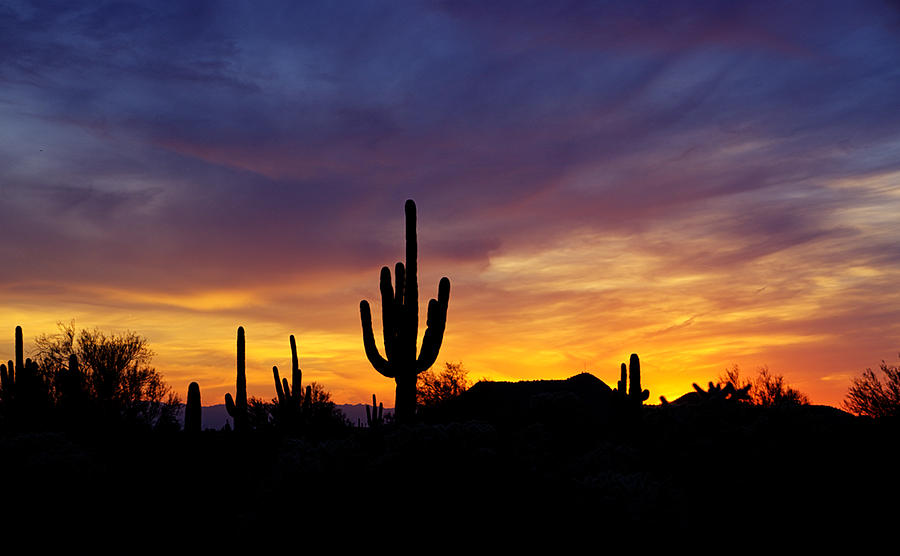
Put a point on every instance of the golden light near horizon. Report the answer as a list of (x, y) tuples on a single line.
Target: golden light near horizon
[(583, 303)]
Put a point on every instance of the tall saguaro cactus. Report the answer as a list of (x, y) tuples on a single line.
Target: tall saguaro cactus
[(400, 318), (20, 349), (238, 408)]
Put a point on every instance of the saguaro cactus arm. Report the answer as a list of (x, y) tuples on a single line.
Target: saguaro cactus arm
[(279, 390), (380, 363), (296, 373), (436, 323)]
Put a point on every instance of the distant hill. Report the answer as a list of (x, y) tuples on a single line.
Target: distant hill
[(215, 416), (578, 398)]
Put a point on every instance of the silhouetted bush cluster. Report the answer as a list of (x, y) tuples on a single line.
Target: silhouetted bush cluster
[(869, 396), (86, 379), (766, 390), (436, 387)]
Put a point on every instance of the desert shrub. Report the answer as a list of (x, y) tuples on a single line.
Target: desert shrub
[(868, 395), (434, 388), (767, 389)]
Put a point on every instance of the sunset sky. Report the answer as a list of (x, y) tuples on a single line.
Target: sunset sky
[(702, 183)]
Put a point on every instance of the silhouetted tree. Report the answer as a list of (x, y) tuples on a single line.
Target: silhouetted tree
[(260, 413), (437, 387), (869, 396), (112, 371), (324, 414), (770, 390), (318, 393), (317, 416), (767, 390)]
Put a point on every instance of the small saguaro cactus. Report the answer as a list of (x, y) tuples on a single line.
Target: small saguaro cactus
[(20, 379), (8, 371), (192, 411), (7, 379), (400, 319), (375, 416), (291, 404), (632, 393), (237, 408)]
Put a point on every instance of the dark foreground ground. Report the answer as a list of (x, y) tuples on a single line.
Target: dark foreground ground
[(666, 470)]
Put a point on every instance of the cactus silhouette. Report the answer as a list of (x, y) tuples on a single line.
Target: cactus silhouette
[(400, 319), (375, 416), (632, 392), (8, 372), (20, 349), (192, 411), (719, 392), (7, 379), (716, 394), (292, 404), (23, 392), (237, 408), (20, 379)]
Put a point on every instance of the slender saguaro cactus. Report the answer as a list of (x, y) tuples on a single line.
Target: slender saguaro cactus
[(400, 318), (238, 408), (20, 350), (287, 399), (192, 415), (292, 405)]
